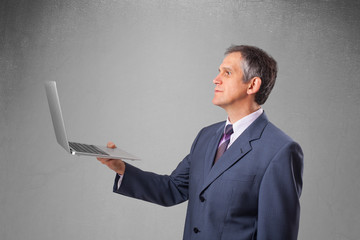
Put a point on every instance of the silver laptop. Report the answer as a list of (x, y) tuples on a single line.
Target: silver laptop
[(73, 147)]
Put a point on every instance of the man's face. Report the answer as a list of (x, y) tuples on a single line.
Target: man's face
[(230, 90)]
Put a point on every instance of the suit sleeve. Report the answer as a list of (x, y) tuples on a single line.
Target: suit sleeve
[(280, 190), (165, 190)]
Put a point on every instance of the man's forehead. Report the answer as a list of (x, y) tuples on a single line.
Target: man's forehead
[(232, 60)]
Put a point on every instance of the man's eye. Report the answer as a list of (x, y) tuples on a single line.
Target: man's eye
[(228, 73)]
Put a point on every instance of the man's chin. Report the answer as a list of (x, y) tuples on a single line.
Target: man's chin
[(216, 102)]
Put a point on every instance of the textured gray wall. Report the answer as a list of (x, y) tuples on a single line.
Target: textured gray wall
[(125, 69)]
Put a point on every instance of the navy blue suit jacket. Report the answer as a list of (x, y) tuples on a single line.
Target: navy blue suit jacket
[(252, 192)]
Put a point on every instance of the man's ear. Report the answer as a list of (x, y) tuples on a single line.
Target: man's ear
[(254, 85)]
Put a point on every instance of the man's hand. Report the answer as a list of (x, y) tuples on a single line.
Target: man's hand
[(116, 165)]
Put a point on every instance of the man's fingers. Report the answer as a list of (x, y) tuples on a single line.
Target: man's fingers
[(103, 160), (111, 145), (115, 164)]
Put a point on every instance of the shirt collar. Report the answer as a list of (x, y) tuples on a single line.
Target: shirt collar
[(242, 124)]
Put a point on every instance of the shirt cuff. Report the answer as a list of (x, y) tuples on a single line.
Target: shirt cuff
[(119, 181)]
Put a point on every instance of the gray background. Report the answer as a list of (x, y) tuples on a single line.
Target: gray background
[(140, 73)]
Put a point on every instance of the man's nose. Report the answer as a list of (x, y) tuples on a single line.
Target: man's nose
[(217, 80)]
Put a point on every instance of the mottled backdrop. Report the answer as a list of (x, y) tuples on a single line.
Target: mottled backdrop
[(126, 69)]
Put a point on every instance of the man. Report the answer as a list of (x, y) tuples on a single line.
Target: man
[(242, 177)]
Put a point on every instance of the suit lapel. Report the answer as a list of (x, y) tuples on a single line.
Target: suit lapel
[(235, 152), (211, 150)]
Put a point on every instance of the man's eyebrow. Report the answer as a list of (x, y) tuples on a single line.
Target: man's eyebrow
[(225, 68)]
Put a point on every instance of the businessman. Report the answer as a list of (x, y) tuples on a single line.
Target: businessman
[(243, 176)]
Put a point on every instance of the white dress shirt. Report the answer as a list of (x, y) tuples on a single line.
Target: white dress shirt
[(241, 125)]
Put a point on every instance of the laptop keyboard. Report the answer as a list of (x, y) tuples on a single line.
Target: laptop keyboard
[(86, 148)]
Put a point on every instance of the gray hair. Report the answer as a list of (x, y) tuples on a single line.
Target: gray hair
[(257, 63)]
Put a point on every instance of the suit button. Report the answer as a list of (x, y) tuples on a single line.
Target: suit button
[(196, 230), (202, 199)]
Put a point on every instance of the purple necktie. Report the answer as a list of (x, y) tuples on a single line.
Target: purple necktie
[(224, 142)]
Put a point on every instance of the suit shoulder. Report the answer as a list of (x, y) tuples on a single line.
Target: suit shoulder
[(213, 127), (274, 132), (279, 142)]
